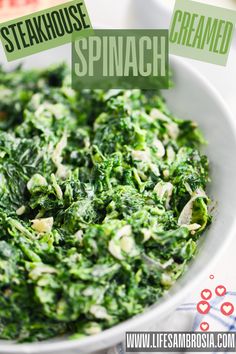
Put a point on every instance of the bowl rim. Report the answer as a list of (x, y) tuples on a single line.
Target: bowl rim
[(160, 308)]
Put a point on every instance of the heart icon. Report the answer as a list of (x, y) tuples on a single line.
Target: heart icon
[(206, 294), (203, 307), (220, 290), (227, 308), (204, 326)]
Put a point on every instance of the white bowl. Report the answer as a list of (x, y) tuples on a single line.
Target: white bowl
[(191, 98)]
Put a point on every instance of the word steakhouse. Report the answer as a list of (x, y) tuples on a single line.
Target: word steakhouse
[(44, 29)]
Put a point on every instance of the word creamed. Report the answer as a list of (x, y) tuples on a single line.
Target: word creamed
[(201, 32)]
